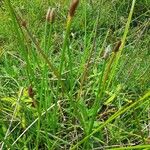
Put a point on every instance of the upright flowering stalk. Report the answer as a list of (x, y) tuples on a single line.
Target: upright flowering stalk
[(50, 18), (72, 10), (71, 14), (103, 85), (108, 68)]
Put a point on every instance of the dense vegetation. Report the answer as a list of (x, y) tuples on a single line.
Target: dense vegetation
[(74, 75)]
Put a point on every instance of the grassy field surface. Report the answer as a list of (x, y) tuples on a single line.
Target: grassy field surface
[(74, 74)]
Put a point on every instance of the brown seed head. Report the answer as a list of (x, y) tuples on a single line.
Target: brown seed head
[(50, 16), (30, 92), (24, 23), (117, 46), (73, 7)]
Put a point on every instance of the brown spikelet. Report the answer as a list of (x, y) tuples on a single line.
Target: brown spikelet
[(73, 7), (117, 46), (24, 23), (50, 16), (31, 95), (30, 92)]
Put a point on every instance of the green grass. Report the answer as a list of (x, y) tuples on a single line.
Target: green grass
[(59, 90)]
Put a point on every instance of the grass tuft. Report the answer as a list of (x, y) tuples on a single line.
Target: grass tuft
[(74, 75)]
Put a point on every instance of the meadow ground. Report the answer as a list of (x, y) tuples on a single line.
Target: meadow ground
[(74, 75)]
